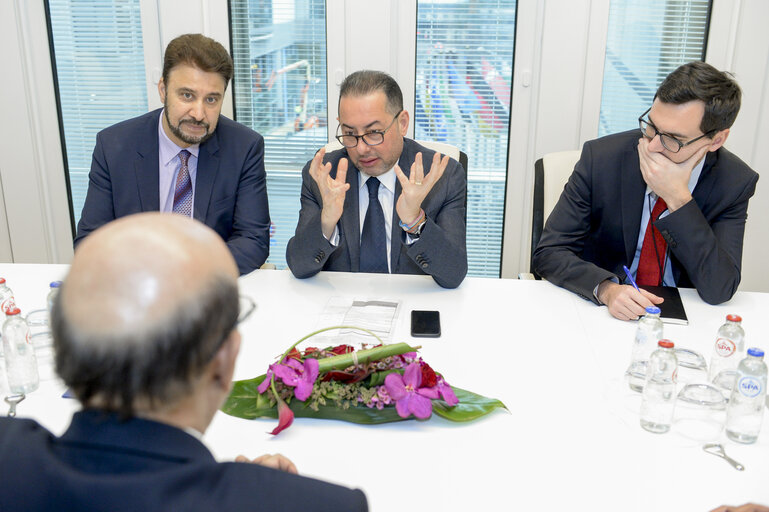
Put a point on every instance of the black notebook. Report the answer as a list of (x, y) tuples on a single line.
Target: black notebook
[(672, 309)]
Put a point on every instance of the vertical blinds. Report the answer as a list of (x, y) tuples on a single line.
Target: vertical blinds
[(279, 50), (647, 39), (464, 69), (99, 68)]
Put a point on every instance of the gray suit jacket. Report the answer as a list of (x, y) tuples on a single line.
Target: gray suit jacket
[(593, 229), (439, 252)]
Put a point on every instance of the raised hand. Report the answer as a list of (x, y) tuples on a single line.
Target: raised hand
[(332, 190), (416, 187), (669, 180)]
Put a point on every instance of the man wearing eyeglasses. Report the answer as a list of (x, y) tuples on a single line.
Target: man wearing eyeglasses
[(669, 202), (383, 203)]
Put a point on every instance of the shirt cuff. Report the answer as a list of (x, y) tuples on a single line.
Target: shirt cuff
[(334, 240)]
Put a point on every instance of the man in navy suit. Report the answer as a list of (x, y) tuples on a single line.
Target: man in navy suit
[(145, 333), (669, 202), (185, 158), (416, 222)]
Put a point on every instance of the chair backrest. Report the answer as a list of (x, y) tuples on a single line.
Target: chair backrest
[(551, 172)]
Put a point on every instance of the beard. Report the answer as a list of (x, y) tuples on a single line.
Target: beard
[(177, 129)]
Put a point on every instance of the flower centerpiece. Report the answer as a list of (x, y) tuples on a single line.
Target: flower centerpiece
[(373, 385)]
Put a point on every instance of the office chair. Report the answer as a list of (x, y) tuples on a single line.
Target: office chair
[(551, 172)]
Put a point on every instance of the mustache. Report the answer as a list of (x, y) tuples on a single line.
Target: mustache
[(194, 122)]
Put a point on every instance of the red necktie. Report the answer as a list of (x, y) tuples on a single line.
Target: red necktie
[(650, 265)]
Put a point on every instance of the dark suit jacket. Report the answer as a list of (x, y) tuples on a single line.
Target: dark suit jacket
[(593, 229), (102, 464), (230, 187), (440, 251)]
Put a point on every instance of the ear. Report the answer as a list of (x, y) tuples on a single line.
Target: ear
[(223, 364), (403, 122), (719, 139), (162, 90)]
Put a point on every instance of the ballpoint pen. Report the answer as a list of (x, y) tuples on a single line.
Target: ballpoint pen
[(630, 277)]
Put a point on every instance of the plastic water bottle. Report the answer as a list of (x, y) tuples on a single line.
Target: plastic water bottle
[(54, 291), (648, 333), (7, 301), (20, 360), (659, 393), (746, 405), (728, 349)]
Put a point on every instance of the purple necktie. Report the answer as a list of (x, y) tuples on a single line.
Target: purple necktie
[(183, 190)]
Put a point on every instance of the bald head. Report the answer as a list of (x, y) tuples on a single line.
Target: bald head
[(148, 301), (141, 269)]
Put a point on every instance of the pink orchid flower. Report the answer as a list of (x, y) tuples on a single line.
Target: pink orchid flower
[(285, 417), (301, 376), (409, 397)]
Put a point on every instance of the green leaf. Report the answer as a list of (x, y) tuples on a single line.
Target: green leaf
[(246, 402)]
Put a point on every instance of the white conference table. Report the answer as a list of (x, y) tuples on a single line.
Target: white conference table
[(570, 441)]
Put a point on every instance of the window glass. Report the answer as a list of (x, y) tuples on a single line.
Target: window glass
[(279, 49), (647, 39), (464, 71), (99, 73)]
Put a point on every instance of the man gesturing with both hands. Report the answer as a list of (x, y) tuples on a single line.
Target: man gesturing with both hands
[(374, 206)]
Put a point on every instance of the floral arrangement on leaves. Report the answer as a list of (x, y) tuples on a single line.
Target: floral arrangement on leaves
[(372, 385)]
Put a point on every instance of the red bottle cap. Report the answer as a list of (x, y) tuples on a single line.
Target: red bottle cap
[(2, 280), (13, 311), (665, 344), (734, 318)]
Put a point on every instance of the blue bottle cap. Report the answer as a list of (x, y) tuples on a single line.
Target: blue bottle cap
[(653, 310), (755, 352), (55, 284)]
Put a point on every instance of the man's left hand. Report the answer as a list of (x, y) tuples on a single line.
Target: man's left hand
[(669, 180), (416, 187), (276, 461)]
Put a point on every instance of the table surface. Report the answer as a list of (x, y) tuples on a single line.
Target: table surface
[(570, 438)]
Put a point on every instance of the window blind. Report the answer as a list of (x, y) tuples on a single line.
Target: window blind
[(464, 69), (99, 71), (647, 39), (279, 50)]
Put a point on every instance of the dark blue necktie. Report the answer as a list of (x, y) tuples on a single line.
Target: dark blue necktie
[(373, 241)]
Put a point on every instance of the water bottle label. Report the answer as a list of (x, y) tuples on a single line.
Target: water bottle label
[(749, 387), (7, 305), (725, 347)]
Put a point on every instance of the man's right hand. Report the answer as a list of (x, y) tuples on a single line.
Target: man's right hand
[(332, 190), (624, 301), (276, 461)]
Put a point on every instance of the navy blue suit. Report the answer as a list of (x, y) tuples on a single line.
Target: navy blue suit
[(593, 229), (440, 251), (101, 463), (230, 187)]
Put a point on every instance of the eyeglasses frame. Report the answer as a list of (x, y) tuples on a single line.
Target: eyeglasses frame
[(358, 138), (681, 145)]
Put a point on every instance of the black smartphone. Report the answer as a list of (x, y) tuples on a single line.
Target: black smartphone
[(425, 324)]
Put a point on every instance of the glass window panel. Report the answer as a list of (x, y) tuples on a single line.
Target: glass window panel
[(647, 39), (279, 49), (99, 70), (464, 73)]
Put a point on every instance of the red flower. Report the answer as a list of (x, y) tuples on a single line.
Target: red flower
[(342, 349), (293, 354), (429, 379)]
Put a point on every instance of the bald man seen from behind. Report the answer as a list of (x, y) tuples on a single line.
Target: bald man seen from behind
[(145, 335)]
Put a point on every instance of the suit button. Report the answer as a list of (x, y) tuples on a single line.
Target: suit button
[(425, 264)]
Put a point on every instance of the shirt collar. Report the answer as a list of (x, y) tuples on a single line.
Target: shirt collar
[(387, 179), (169, 149)]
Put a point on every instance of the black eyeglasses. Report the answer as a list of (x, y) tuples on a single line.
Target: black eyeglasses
[(246, 306), (669, 142), (373, 138)]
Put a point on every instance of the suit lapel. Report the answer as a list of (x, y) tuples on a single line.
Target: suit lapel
[(633, 189), (147, 166), (350, 221), (208, 169)]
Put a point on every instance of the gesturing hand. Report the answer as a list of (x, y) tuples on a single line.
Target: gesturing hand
[(332, 190), (669, 180), (416, 187)]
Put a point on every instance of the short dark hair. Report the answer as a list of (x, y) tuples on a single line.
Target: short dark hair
[(367, 81), (700, 81), (200, 51), (150, 365)]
